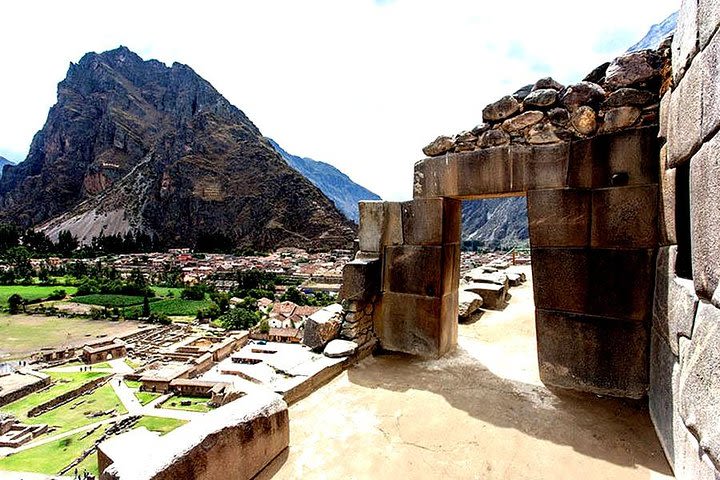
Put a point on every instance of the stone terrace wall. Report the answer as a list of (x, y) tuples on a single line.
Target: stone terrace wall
[(685, 338)]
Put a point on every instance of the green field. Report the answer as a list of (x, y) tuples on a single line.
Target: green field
[(176, 306), (31, 292), (160, 424), (64, 382), (165, 291), (197, 404), (146, 397), (111, 300), (54, 456), (132, 383)]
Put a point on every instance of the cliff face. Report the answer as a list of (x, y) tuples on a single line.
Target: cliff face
[(135, 145), (332, 182)]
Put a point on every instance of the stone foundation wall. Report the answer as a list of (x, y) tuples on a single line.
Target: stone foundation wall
[(67, 396), (685, 336), (42, 381)]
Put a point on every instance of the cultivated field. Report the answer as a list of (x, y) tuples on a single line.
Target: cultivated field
[(31, 292)]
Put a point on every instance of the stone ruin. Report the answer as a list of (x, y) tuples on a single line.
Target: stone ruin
[(621, 176)]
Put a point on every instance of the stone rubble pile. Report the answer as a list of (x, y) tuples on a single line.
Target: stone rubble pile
[(621, 94), (487, 286)]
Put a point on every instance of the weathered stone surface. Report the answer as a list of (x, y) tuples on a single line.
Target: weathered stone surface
[(418, 325), (674, 302), (515, 279), (493, 295), (480, 129), (700, 382), (546, 166), (664, 112), (584, 120), (524, 120), (489, 171), (372, 220), (592, 354), (710, 66), (469, 303), (547, 83), (361, 279), (440, 145), (522, 93), (690, 462), (633, 153), (494, 138), (619, 118), (422, 221), (627, 97), (668, 178), (542, 134), (413, 269), (662, 392), (624, 217), (708, 20), (559, 217), (500, 110), (435, 177), (684, 131), (340, 348), (322, 326), (497, 278), (684, 44), (705, 217), (465, 142), (598, 74), (542, 98), (632, 69), (583, 93), (600, 282), (558, 116)]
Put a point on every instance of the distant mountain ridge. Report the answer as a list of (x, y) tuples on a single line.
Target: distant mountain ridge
[(137, 146), (657, 34), (337, 186), (4, 161)]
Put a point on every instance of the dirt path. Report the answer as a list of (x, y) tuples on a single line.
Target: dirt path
[(480, 413)]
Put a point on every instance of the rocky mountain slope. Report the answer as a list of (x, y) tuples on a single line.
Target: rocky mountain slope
[(502, 223), (134, 145), (332, 182), (4, 161)]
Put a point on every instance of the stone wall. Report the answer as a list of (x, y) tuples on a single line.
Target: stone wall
[(67, 396), (685, 336), (40, 381)]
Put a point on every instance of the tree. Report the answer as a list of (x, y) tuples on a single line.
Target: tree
[(67, 243), (264, 326), (9, 236), (146, 307), (239, 318), (294, 295), (194, 292), (16, 303)]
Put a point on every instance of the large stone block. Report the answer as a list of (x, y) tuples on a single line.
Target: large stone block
[(580, 167), (705, 217), (432, 271), (418, 325), (361, 279), (674, 302), (559, 217), (668, 179), (625, 217), (435, 177), (663, 114), (684, 45), (684, 127), (601, 282), (493, 295), (489, 172), (710, 65), (592, 354), (700, 382), (632, 154), (662, 392), (431, 221), (690, 462), (708, 20), (380, 225), (546, 166)]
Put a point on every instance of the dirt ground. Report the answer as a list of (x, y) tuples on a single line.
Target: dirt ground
[(21, 335), (480, 413)]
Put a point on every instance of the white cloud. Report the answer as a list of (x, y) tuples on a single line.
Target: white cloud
[(361, 84)]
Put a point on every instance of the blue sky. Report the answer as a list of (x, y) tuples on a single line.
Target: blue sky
[(361, 84)]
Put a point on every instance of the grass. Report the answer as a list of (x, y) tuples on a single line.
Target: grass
[(54, 456), (75, 413), (132, 383), (197, 404), (111, 300), (160, 424), (132, 364), (31, 292), (146, 397), (21, 335), (165, 291), (177, 307), (64, 382)]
